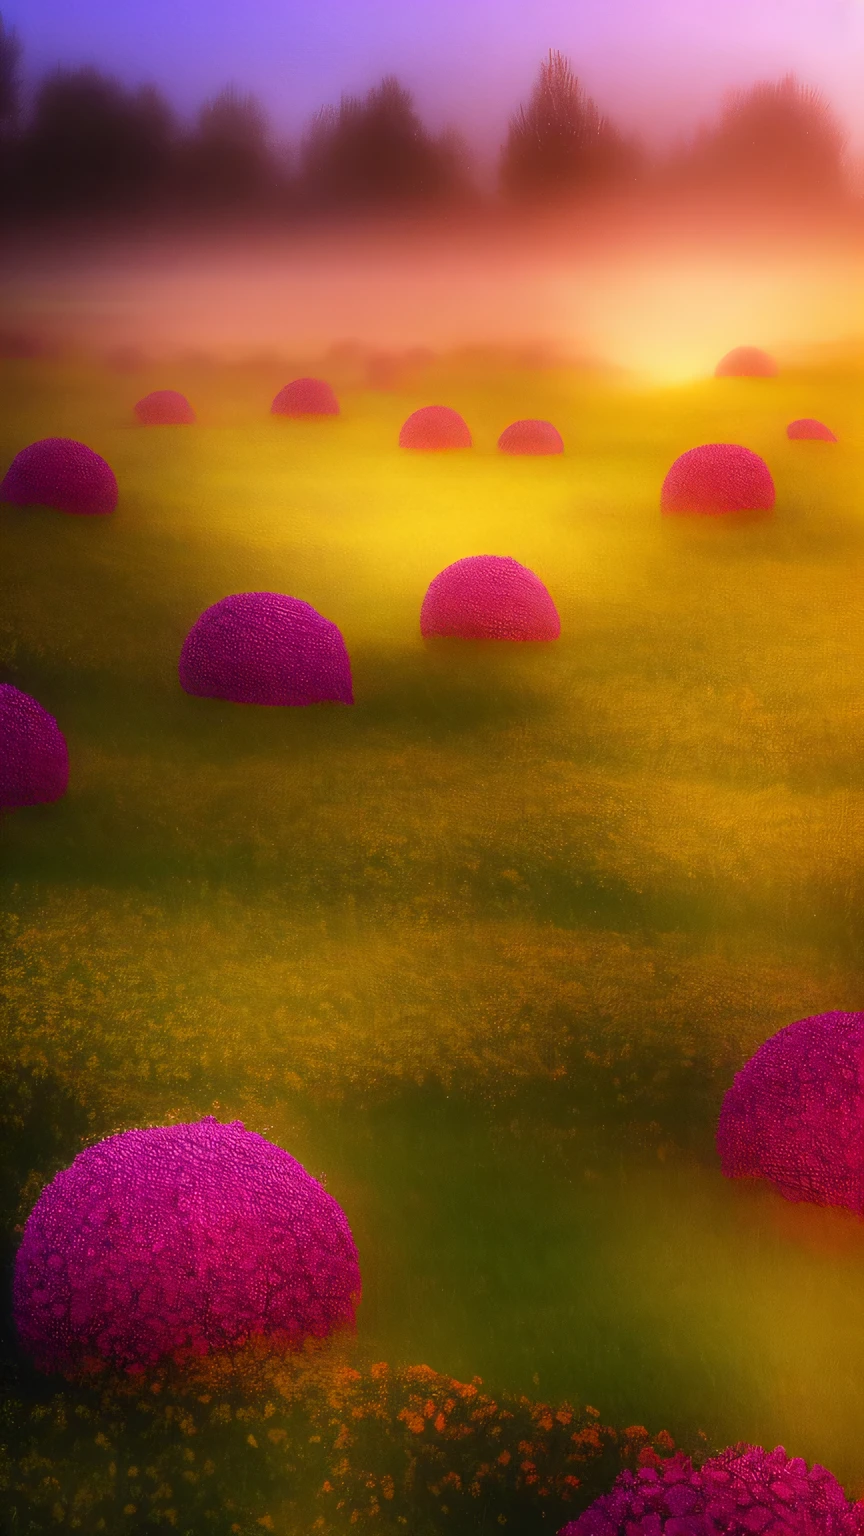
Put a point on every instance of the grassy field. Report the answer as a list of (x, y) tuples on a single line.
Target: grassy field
[(485, 950)]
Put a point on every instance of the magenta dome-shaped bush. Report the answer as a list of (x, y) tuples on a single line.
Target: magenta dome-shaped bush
[(718, 478), (60, 473), (265, 648), (531, 437), (795, 1113), (746, 362), (306, 397), (489, 597), (434, 428), (165, 408), (745, 1491), (34, 760), (807, 426), (181, 1238)]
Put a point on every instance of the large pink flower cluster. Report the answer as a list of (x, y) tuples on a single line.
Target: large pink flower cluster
[(34, 760), (61, 473), (181, 1238), (489, 597), (165, 408), (745, 1491), (746, 363), (265, 648), (306, 397), (795, 1113), (717, 478)]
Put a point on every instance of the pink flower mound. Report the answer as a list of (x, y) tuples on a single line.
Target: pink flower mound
[(795, 1113), (185, 1237), (34, 761), (265, 648), (60, 473), (165, 408), (717, 478), (746, 362), (434, 428), (306, 397), (489, 597), (744, 1491), (531, 437), (808, 427)]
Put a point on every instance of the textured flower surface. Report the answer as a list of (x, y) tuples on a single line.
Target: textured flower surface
[(165, 408), (531, 437), (808, 427), (306, 397), (717, 478), (181, 1238), (34, 761), (746, 362), (433, 428), (745, 1491), (795, 1113), (489, 597), (61, 473), (265, 648)]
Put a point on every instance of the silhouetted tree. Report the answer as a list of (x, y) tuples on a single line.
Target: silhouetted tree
[(779, 136), (375, 150), (94, 145), (560, 141), (10, 55), (228, 159)]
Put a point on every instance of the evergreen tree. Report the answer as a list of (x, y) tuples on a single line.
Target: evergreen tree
[(560, 141), (228, 158), (10, 55), (94, 145), (779, 136), (375, 150)]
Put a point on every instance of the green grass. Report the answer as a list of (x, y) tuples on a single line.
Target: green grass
[(486, 949)]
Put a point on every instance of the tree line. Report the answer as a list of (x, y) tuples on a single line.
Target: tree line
[(89, 144)]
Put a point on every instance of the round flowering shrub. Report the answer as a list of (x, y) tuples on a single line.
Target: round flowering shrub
[(744, 1491), (306, 397), (34, 761), (806, 426), (60, 473), (184, 1238), (489, 597), (265, 648), (433, 428), (795, 1112), (531, 437), (746, 362), (718, 478), (165, 408)]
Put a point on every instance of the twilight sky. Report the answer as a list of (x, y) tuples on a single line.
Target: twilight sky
[(658, 65)]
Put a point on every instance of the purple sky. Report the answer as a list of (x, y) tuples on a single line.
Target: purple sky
[(659, 65)]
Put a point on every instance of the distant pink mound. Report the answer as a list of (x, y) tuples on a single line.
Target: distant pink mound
[(746, 362), (34, 761), (807, 427), (743, 1491), (531, 437), (795, 1113), (182, 1238), (434, 428), (265, 648), (717, 478), (306, 397), (489, 597), (60, 473), (165, 408)]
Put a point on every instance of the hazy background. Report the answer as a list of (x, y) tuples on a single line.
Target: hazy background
[(659, 66)]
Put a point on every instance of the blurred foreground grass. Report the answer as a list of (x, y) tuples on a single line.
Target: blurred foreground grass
[(564, 888)]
